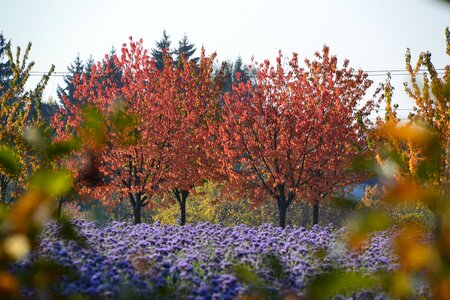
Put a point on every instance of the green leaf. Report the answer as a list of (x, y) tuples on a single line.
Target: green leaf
[(94, 125), (53, 183), (246, 275), (273, 262), (62, 148), (363, 164), (9, 161), (340, 283)]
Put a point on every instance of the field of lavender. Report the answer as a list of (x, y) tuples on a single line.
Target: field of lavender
[(202, 261)]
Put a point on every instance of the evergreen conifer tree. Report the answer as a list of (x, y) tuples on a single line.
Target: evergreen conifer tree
[(162, 48), (75, 69), (186, 48), (5, 67)]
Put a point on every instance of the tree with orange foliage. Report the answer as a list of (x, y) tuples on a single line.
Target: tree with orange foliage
[(191, 93), (129, 128), (285, 136)]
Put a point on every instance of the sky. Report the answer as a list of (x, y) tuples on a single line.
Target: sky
[(372, 34)]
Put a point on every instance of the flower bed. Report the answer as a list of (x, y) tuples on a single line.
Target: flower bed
[(202, 261)]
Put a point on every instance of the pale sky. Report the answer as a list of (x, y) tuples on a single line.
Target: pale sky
[(372, 34)]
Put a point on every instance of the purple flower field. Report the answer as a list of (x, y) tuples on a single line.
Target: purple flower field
[(202, 261)]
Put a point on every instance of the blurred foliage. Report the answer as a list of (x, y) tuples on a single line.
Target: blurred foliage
[(30, 161), (413, 164), (19, 112)]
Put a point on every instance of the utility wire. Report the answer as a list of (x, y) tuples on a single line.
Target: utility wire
[(371, 73)]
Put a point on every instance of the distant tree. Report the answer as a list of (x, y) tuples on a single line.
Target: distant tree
[(162, 48), (49, 109), (418, 149), (113, 70), (191, 94), (431, 111), (5, 67), (186, 48), (292, 128), (75, 70), (234, 72), (88, 66), (19, 110)]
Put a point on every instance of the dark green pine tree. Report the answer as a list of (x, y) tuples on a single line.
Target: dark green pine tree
[(186, 48), (232, 70), (88, 66), (49, 109), (75, 69), (114, 71), (5, 66), (162, 48)]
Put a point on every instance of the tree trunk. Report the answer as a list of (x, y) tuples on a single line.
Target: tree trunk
[(181, 196), (316, 212), (116, 214), (59, 210), (282, 209), (137, 213), (183, 213), (283, 203), (306, 214), (4, 180)]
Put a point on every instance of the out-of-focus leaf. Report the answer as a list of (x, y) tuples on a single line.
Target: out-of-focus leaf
[(246, 275), (363, 164), (400, 284), (409, 133), (52, 183), (16, 246), (407, 191), (442, 290), (125, 126), (59, 149), (9, 161), (256, 287), (361, 226), (24, 209), (68, 231), (36, 137), (413, 250), (332, 284), (45, 273), (9, 286), (273, 262), (93, 127), (343, 202)]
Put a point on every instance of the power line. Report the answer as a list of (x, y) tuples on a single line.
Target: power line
[(371, 73), (398, 70)]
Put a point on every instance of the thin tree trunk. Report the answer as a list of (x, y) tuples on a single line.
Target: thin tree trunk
[(181, 196), (282, 209), (306, 214), (116, 214), (283, 204), (316, 212), (137, 213), (4, 180), (59, 210), (183, 213)]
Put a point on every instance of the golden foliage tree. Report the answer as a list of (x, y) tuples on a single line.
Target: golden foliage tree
[(19, 109)]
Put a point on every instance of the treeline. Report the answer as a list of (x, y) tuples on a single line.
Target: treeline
[(147, 128)]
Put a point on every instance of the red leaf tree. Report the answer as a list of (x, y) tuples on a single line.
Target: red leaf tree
[(191, 92), (130, 135), (289, 134), (155, 132)]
